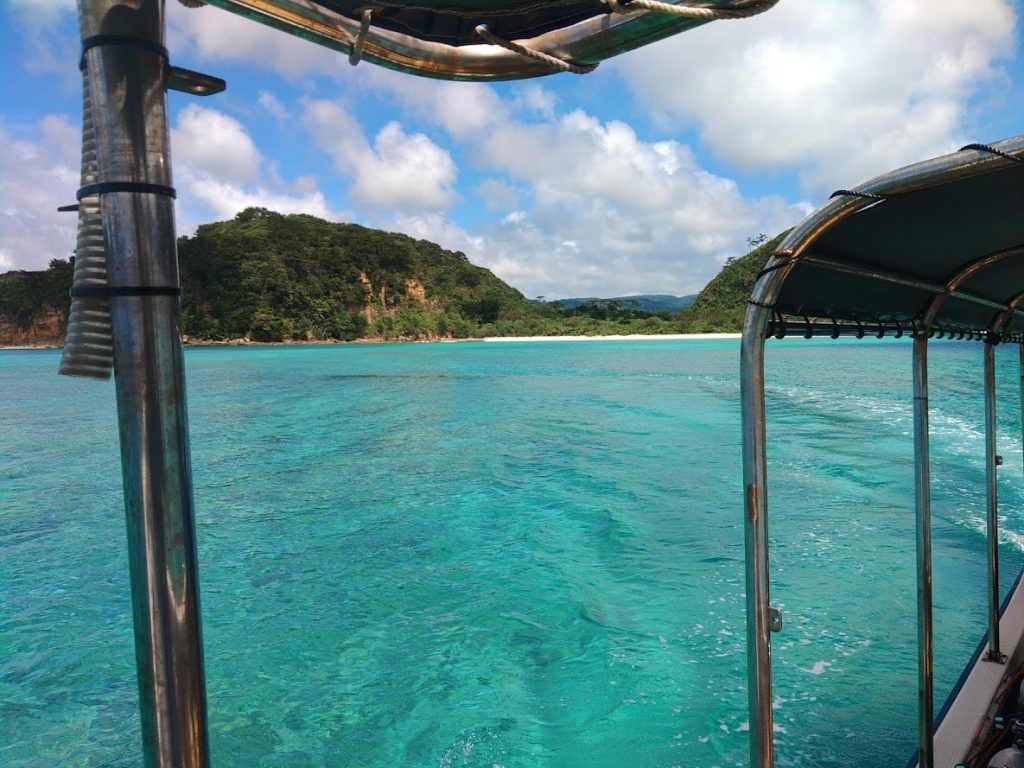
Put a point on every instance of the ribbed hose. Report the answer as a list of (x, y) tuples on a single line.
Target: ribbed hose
[(88, 341)]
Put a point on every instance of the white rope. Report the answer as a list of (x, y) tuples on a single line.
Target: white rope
[(357, 48), (532, 53), (747, 9)]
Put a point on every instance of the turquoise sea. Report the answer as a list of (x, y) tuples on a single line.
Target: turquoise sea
[(522, 555)]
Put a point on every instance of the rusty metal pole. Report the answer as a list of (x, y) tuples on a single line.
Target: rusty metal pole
[(922, 496), (992, 504), (126, 64), (755, 484)]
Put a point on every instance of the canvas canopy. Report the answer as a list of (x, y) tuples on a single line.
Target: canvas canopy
[(486, 39), (937, 246)]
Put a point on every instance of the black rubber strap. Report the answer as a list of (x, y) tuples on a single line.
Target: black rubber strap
[(854, 193), (126, 186), (759, 304), (993, 151), (97, 41), (108, 291), (769, 270)]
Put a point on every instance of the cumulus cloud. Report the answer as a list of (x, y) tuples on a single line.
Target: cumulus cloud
[(406, 173), (217, 143), (218, 35), (837, 91), (219, 171), (608, 209), (608, 214), (464, 110), (38, 174)]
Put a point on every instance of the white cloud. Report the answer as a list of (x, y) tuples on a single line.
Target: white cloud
[(534, 98), (610, 213), (219, 171), (272, 104), (208, 139), (218, 35), (225, 199), (465, 110), (497, 195), (37, 175), (837, 91), (405, 173)]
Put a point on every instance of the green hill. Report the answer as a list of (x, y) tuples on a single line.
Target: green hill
[(723, 302), (265, 276)]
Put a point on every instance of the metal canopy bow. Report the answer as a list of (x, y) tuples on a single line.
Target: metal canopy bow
[(126, 312), (487, 39), (934, 250)]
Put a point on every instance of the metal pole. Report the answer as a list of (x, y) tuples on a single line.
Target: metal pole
[(127, 67), (759, 612), (922, 497), (994, 651)]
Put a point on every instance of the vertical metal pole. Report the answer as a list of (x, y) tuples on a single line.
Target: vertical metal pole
[(994, 650), (922, 496), (126, 70), (759, 661)]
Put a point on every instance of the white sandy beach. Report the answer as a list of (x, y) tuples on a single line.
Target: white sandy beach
[(624, 337)]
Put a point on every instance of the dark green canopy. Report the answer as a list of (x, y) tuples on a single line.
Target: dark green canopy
[(937, 245)]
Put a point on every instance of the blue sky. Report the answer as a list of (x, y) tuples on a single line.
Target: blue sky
[(642, 177)]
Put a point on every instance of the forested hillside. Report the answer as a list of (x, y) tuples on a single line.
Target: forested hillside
[(268, 277), (723, 302)]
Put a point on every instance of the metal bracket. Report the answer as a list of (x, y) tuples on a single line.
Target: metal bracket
[(774, 620), (995, 658), (195, 83)]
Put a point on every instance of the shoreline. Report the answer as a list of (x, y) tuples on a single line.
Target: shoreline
[(485, 339), (620, 337)]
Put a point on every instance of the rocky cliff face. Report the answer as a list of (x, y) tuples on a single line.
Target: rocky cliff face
[(46, 330)]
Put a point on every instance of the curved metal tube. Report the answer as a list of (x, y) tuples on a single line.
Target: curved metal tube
[(965, 274), (755, 527), (586, 42)]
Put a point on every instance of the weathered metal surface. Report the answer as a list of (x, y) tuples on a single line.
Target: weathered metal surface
[(130, 108), (923, 516), (585, 42)]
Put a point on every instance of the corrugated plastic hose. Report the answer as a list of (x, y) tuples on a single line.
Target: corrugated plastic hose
[(88, 341)]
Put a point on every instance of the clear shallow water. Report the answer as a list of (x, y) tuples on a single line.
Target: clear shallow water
[(517, 554)]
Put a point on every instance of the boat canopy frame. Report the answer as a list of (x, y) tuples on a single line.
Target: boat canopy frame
[(932, 250), (486, 40)]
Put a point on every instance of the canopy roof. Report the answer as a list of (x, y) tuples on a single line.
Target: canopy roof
[(938, 245), (486, 39)]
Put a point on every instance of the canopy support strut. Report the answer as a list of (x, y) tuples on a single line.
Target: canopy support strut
[(991, 461), (755, 485), (922, 497), (127, 68)]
